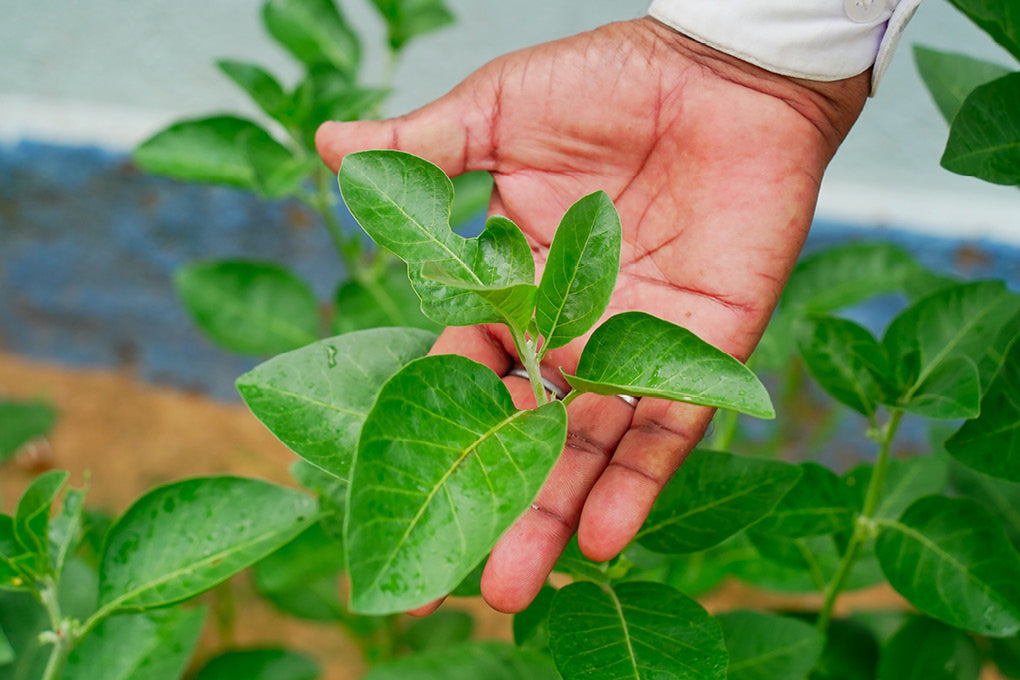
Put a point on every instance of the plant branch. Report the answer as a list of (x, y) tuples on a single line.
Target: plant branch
[(60, 634), (532, 364)]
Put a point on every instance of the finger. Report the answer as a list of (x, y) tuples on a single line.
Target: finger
[(525, 555), (454, 132), (660, 437)]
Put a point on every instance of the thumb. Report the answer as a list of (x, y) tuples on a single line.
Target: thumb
[(454, 132)]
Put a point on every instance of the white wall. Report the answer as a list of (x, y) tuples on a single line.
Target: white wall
[(112, 71)]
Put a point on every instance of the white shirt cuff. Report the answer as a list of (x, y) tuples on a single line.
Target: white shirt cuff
[(817, 40)]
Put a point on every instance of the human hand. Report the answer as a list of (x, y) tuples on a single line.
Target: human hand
[(714, 166)]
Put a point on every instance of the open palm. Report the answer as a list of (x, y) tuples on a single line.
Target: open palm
[(714, 166)]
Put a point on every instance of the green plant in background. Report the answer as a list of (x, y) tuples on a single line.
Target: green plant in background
[(22, 422), (260, 307)]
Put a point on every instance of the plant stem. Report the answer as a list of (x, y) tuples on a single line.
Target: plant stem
[(862, 527), (60, 635), (532, 364)]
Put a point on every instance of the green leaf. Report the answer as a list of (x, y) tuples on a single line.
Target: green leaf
[(468, 661), (259, 664), (935, 341), (847, 362), (302, 578), (259, 84), (441, 630), (1000, 497), (580, 271), (148, 646), (6, 651), (386, 300), (408, 19), (768, 646), (327, 94), (229, 523), (991, 442), (633, 630), (850, 653), (472, 192), (217, 150), (907, 480), (999, 18), (445, 464), (644, 356), (13, 560), (32, 517), (1005, 652), (22, 422), (65, 531), (983, 142), (711, 497), (952, 560), (403, 202), (314, 32), (951, 77), (531, 626), (819, 503), (249, 307), (929, 650), (804, 564), (315, 399)]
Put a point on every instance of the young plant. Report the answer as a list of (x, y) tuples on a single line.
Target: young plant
[(261, 308)]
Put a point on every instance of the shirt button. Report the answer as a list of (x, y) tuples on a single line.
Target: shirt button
[(863, 11)]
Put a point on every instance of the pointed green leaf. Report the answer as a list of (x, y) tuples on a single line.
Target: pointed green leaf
[(148, 646), (218, 150), (531, 626), (249, 307), (999, 18), (768, 646), (819, 503), (408, 19), (713, 496), (983, 142), (445, 464), (259, 664), (316, 398), (315, 32), (907, 480), (302, 578), (951, 77), (22, 422), (644, 356), (259, 84), (386, 300), (951, 559), (926, 649), (932, 341), (65, 531), (847, 362), (580, 271), (636, 631), (468, 661), (32, 517), (991, 442), (148, 561)]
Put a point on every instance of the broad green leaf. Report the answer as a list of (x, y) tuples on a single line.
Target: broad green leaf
[(924, 649), (768, 646), (951, 559), (468, 661), (711, 497), (951, 390), (951, 77), (302, 578), (991, 442), (22, 619), (152, 645), (259, 84), (847, 362), (850, 653), (531, 626), (1000, 497), (472, 193), (445, 464), (819, 503), (65, 530), (218, 150), (907, 480), (441, 630), (386, 300), (316, 398), (23, 421), (229, 523), (408, 19), (999, 18), (314, 32), (644, 356), (259, 664), (32, 517), (1005, 652), (249, 307), (932, 341), (633, 630), (580, 271), (804, 563), (984, 142), (513, 305), (403, 202)]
